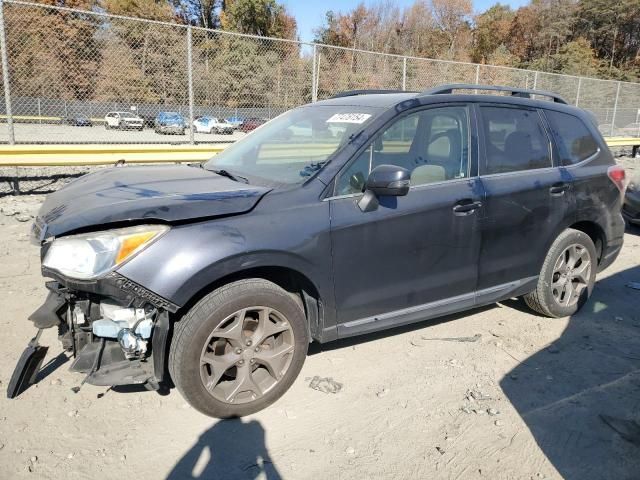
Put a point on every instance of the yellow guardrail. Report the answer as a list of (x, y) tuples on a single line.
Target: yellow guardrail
[(622, 141), (106, 154), (82, 155)]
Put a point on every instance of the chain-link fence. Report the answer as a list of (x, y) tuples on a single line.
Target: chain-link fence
[(89, 77)]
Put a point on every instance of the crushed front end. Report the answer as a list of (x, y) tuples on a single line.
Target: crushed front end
[(115, 329)]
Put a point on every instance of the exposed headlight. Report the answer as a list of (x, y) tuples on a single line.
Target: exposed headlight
[(89, 256)]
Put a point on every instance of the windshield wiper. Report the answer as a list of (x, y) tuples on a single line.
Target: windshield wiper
[(235, 178)]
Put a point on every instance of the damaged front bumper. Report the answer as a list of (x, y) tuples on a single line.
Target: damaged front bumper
[(116, 330)]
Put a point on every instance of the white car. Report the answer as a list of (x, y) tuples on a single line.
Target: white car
[(123, 120), (213, 125)]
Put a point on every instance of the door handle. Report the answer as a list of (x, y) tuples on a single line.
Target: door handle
[(558, 189), (466, 207)]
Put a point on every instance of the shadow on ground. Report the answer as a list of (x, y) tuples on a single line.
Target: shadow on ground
[(231, 449), (592, 370)]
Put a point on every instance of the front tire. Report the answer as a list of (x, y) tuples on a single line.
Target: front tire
[(567, 276), (239, 349)]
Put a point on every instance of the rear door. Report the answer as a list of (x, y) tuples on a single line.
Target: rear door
[(528, 196), (417, 254)]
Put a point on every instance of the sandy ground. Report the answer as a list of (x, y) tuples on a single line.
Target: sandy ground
[(521, 402)]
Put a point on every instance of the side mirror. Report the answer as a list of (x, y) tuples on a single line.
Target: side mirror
[(389, 180), (384, 180)]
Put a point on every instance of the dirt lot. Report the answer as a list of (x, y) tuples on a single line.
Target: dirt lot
[(522, 401)]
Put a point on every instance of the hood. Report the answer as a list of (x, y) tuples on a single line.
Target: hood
[(124, 194)]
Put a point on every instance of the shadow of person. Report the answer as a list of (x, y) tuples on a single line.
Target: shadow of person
[(568, 392), (231, 449)]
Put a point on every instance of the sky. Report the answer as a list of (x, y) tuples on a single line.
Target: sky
[(311, 13)]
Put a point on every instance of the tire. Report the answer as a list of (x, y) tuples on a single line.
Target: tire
[(550, 298), (107, 126), (196, 335)]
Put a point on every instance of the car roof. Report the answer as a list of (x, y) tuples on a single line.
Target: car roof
[(389, 100), (381, 100)]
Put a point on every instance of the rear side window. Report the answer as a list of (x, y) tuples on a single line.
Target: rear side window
[(514, 140), (575, 142)]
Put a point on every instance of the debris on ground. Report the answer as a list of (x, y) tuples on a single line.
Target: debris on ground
[(475, 338), (325, 384), (553, 349), (627, 429), (634, 285), (475, 395), (440, 450), (382, 393), (493, 412)]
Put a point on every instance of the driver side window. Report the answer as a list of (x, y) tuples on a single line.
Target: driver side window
[(432, 144)]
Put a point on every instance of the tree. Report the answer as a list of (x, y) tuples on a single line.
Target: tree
[(259, 17), (54, 53), (452, 19), (577, 58), (492, 29), (612, 27)]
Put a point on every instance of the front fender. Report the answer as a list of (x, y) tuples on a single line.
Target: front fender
[(189, 258)]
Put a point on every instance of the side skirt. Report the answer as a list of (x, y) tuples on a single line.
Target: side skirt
[(437, 309)]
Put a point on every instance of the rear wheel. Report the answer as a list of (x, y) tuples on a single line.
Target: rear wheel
[(239, 348), (567, 276)]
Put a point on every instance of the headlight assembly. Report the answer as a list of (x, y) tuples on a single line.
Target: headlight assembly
[(91, 255)]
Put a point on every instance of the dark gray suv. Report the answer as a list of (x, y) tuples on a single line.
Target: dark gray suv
[(354, 214)]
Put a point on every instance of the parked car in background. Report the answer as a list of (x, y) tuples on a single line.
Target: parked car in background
[(149, 121), (631, 206), (170, 122), (78, 121), (630, 130), (605, 129), (251, 124), (123, 121), (235, 121), (212, 125), (218, 276)]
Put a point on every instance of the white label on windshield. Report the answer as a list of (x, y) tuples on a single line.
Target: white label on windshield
[(349, 118)]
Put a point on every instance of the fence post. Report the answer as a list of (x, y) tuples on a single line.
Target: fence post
[(190, 82), (578, 92), (5, 75), (404, 73), (314, 79), (39, 111), (615, 109), (535, 80)]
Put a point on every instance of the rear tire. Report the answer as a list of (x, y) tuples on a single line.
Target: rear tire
[(223, 358), (567, 276)]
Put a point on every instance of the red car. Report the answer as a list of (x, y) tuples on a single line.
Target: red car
[(251, 124)]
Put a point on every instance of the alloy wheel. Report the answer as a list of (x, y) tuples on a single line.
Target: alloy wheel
[(247, 355), (571, 275)]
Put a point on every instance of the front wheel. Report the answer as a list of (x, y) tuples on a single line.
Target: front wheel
[(239, 349), (567, 276)]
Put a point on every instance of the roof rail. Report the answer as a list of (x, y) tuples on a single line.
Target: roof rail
[(353, 93), (514, 91)]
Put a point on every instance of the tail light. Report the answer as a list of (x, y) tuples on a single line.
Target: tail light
[(618, 176)]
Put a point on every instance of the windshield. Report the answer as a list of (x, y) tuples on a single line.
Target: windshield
[(127, 115), (295, 145)]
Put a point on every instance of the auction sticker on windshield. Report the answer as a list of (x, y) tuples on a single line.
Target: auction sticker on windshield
[(349, 118)]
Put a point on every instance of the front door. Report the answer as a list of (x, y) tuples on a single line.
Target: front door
[(417, 254)]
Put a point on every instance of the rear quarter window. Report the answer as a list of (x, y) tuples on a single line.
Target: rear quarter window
[(573, 139)]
